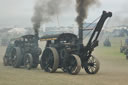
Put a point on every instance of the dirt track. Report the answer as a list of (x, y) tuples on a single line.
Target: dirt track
[(113, 71)]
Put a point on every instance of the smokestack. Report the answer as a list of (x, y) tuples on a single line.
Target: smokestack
[(36, 28), (82, 7)]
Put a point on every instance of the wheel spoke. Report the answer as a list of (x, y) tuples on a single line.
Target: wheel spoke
[(93, 65), (74, 65), (28, 62), (50, 60)]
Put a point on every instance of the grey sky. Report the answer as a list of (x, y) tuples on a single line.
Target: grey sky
[(19, 12)]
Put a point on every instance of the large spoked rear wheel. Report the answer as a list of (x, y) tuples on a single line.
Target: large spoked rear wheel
[(16, 57), (92, 66), (28, 61), (74, 65), (50, 60)]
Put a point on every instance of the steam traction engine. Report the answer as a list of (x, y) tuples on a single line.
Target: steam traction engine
[(66, 51), (23, 51)]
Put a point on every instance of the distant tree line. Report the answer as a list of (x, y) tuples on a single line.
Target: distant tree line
[(120, 32)]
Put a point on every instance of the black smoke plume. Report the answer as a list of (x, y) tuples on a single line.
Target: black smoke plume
[(44, 11), (82, 7)]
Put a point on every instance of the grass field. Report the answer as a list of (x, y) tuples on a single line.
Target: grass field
[(113, 71)]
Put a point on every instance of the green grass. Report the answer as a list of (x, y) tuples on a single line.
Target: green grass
[(112, 51), (111, 54)]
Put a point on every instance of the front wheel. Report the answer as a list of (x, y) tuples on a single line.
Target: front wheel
[(35, 61), (5, 61), (74, 65), (92, 66), (28, 61)]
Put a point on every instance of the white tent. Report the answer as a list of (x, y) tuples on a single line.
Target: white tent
[(18, 30)]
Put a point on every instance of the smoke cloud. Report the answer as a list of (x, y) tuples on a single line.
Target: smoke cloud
[(120, 17), (44, 11), (82, 7)]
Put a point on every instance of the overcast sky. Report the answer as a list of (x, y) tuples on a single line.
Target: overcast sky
[(19, 12)]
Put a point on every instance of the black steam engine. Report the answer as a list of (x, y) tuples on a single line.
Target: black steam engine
[(23, 51), (67, 51)]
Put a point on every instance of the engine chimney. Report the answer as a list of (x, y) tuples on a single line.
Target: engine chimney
[(81, 35)]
